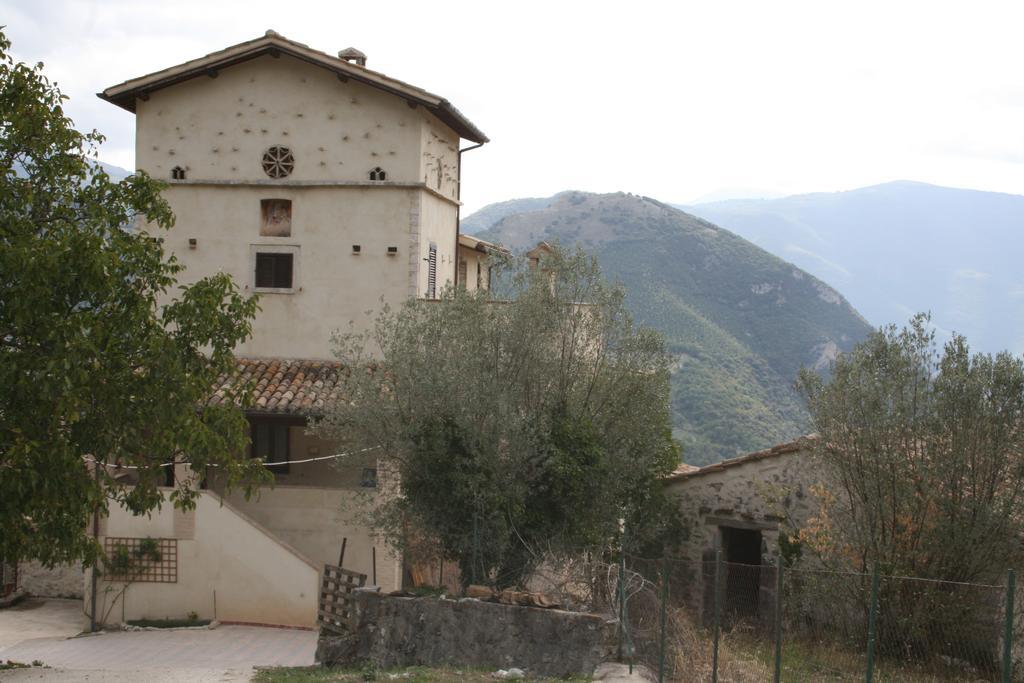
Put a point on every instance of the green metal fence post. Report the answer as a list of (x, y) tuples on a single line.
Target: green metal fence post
[(872, 626), (622, 602), (664, 617), (625, 609), (718, 615), (1011, 587), (778, 623), (476, 547)]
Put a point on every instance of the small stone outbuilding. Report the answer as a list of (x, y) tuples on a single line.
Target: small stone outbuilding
[(741, 507)]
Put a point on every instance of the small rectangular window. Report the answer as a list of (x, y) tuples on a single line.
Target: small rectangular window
[(168, 475), (462, 274), (369, 479), (275, 217), (273, 270), (270, 443)]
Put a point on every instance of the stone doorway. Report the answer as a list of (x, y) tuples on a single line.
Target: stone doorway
[(741, 553)]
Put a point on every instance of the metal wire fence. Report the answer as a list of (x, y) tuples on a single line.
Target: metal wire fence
[(739, 623)]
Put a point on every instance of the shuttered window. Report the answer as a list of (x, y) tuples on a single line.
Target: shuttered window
[(273, 270), (432, 272), (462, 274)]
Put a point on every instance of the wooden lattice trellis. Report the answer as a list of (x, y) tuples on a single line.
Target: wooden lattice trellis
[(143, 567), (337, 610)]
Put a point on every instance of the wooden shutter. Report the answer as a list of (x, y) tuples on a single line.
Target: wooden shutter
[(274, 270), (283, 271), (462, 274), (432, 272)]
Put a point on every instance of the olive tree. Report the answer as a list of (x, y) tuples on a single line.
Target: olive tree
[(513, 429), (924, 452), (102, 359)]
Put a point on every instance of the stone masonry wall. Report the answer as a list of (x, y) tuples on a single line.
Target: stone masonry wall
[(63, 581), (399, 632), (764, 493), (769, 492)]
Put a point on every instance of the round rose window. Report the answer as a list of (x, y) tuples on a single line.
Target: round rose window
[(278, 162)]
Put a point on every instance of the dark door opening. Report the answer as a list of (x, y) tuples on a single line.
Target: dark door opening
[(741, 553)]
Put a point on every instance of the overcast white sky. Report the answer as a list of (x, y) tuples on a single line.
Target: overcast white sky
[(673, 100)]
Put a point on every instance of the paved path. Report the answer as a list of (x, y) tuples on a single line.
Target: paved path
[(37, 618), (46, 675), (224, 647), (41, 630)]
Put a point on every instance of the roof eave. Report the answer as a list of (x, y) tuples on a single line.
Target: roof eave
[(124, 94)]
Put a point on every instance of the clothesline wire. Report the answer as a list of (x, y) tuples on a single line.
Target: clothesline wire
[(265, 464)]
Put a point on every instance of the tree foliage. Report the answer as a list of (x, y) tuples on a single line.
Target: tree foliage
[(100, 358), (924, 452), (513, 429)]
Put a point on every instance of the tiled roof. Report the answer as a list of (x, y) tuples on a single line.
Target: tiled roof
[(795, 446), (283, 386)]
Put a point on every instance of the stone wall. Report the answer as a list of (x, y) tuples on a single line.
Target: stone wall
[(766, 491), (755, 497), (399, 632), (63, 581)]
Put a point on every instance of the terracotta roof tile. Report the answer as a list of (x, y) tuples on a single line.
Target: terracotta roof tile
[(284, 386)]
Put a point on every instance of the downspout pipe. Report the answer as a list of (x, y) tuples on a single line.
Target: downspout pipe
[(458, 211), (93, 623)]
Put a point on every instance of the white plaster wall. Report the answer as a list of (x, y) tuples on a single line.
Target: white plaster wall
[(334, 286), (473, 258), (219, 128), (253, 576), (315, 520), (437, 225), (440, 151)]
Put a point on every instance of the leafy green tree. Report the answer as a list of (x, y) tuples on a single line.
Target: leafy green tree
[(923, 453), (99, 359), (513, 430)]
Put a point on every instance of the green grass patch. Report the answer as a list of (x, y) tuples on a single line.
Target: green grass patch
[(10, 665), (414, 674)]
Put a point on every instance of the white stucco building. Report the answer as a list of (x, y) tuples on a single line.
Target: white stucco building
[(328, 189)]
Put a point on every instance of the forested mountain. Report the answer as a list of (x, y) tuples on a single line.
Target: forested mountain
[(739, 321)]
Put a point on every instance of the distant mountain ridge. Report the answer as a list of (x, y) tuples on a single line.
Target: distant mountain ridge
[(116, 173), (902, 247), (739, 321)]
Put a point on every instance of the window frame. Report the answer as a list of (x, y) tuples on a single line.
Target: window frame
[(273, 423), (292, 249)]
